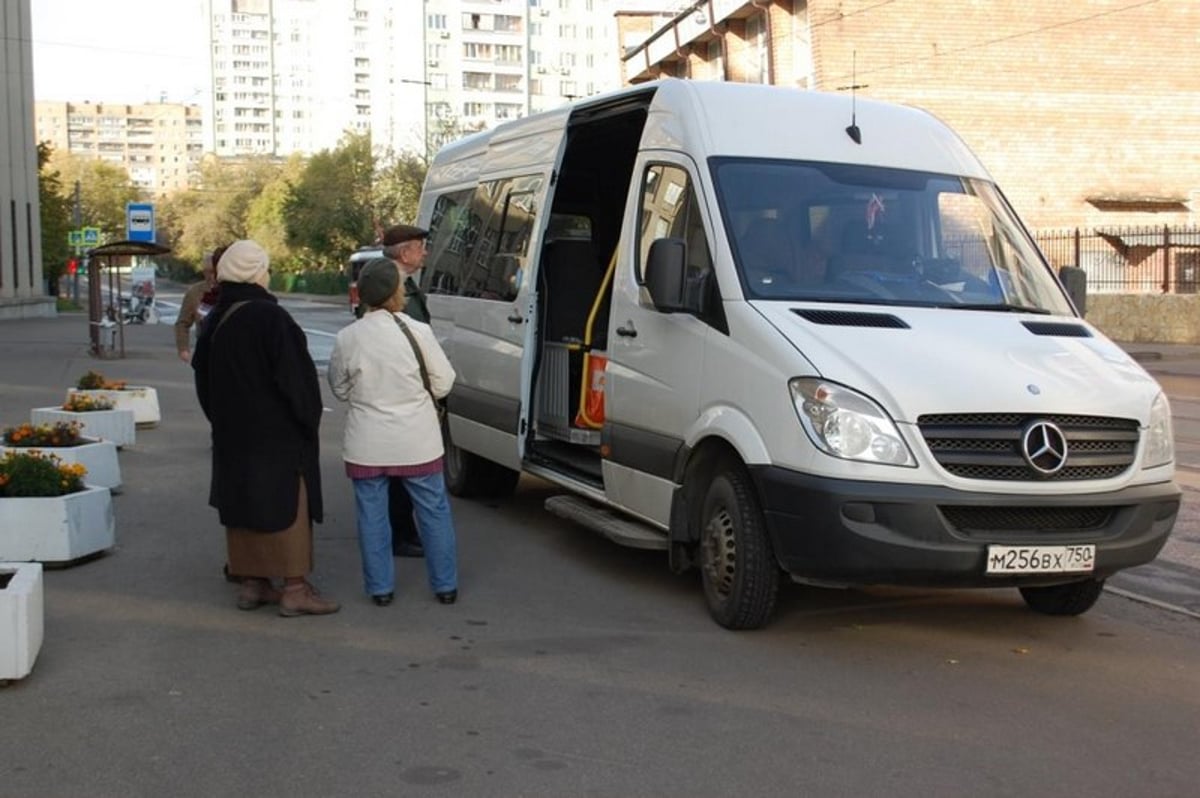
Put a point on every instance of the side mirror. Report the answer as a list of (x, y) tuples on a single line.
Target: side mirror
[(1074, 280), (665, 271)]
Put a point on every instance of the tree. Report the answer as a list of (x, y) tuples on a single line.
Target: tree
[(398, 187), (266, 220), (222, 209), (56, 209), (105, 190), (330, 211)]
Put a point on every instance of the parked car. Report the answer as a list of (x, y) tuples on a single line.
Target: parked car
[(353, 266)]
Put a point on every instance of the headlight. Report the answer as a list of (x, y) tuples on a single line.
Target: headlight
[(1160, 438), (846, 424)]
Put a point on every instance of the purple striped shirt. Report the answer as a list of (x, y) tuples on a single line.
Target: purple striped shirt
[(356, 471)]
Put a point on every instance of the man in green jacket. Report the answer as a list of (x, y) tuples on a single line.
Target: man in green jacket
[(405, 244)]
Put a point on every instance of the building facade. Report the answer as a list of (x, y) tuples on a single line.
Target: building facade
[(1084, 112), (21, 290), (294, 75), (160, 144)]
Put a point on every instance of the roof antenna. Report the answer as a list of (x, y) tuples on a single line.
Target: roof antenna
[(853, 132)]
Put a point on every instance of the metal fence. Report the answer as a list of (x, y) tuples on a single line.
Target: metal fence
[(1129, 260)]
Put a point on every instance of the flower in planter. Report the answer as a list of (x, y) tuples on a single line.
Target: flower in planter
[(35, 474), (94, 380), (85, 403), (60, 433)]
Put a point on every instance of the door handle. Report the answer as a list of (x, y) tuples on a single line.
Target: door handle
[(627, 331), (516, 318)]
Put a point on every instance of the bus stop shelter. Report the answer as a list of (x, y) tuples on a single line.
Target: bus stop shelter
[(106, 321)]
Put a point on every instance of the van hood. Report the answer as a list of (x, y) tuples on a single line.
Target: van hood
[(916, 361)]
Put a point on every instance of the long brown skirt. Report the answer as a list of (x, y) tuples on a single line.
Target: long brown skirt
[(273, 555)]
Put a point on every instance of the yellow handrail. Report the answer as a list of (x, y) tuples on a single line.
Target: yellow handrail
[(582, 418)]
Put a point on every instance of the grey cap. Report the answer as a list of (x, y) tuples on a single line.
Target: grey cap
[(377, 281)]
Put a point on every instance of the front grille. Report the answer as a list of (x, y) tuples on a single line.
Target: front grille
[(988, 520), (988, 445)]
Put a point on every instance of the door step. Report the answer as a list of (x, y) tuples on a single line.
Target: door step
[(613, 526)]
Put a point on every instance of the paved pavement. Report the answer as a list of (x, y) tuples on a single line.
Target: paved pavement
[(144, 651)]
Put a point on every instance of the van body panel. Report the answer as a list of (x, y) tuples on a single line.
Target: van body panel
[(811, 130), (905, 369), (489, 440), (644, 389), (628, 488)]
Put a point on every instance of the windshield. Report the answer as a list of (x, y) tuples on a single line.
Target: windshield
[(853, 233)]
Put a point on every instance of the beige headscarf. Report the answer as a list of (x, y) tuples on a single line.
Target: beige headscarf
[(244, 262)]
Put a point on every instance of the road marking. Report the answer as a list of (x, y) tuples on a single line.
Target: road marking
[(1162, 605)]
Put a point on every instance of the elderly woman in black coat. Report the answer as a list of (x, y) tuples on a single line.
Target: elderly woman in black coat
[(258, 387)]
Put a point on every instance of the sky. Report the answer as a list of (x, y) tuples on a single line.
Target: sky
[(129, 51)]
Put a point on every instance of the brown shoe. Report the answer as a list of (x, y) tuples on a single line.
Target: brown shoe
[(303, 599), (256, 592)]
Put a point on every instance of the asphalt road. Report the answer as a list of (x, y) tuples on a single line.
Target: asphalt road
[(1172, 581), (570, 666)]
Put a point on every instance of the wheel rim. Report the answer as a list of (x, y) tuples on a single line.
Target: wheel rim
[(720, 552)]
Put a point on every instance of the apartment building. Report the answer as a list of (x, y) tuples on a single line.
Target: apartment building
[(159, 145), (295, 75), (1085, 112)]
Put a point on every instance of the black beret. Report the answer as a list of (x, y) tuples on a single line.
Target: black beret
[(377, 281), (399, 233)]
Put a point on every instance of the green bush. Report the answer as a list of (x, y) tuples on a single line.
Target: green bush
[(35, 474), (324, 282), (177, 270)]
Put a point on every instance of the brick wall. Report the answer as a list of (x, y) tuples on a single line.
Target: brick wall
[(1061, 101)]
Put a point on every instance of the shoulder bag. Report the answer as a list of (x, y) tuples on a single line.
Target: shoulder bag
[(412, 339)]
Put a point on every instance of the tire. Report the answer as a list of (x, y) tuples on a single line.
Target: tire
[(469, 475), (737, 566), (1074, 598)]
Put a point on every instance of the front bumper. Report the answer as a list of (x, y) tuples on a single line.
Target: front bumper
[(852, 532)]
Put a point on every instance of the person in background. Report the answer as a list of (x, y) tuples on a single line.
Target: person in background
[(391, 370), (198, 300), (405, 244), (260, 391)]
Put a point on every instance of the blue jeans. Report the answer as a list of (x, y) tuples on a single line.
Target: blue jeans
[(436, 527)]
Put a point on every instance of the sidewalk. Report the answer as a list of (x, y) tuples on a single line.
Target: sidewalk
[(150, 682)]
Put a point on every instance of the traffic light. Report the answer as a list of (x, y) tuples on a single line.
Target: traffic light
[(72, 266)]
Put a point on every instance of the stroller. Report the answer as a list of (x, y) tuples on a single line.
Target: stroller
[(138, 307)]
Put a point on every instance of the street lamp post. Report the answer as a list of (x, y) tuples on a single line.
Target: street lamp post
[(425, 84)]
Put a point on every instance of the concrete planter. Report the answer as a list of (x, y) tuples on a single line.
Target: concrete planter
[(141, 399), (56, 529), (21, 618), (98, 457), (106, 425)]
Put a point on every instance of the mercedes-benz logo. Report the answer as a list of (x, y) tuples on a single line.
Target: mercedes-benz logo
[(1045, 447)]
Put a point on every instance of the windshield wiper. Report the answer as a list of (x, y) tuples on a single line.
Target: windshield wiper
[(1005, 307)]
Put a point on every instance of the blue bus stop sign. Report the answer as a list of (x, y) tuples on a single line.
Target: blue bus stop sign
[(139, 222)]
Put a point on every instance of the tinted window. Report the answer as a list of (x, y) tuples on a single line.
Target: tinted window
[(479, 240), (452, 232), (670, 210)]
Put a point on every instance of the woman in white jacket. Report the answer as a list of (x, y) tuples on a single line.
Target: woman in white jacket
[(392, 430)]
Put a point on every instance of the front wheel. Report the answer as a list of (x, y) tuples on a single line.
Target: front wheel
[(737, 566), (1074, 598)]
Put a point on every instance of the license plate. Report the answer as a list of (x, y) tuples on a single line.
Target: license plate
[(1041, 559)]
